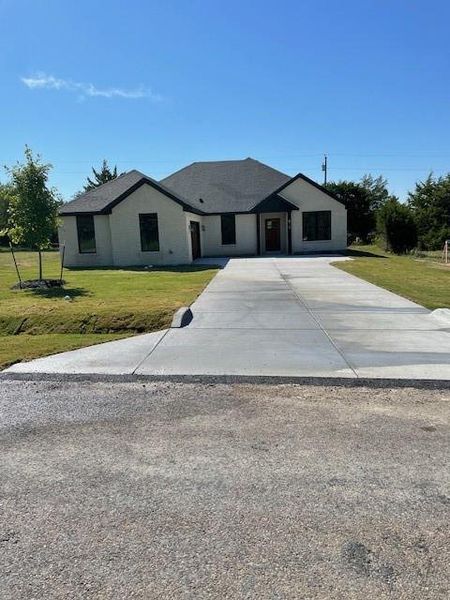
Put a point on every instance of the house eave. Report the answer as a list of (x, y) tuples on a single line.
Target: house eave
[(106, 210)]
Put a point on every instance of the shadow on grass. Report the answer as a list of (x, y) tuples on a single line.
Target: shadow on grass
[(167, 269), (59, 292), (363, 253)]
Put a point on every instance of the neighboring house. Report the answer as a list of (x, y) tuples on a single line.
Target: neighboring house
[(226, 208)]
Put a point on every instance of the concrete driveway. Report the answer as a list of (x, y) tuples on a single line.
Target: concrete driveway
[(286, 316)]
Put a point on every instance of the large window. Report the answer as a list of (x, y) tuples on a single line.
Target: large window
[(86, 234), (148, 225), (228, 226), (317, 225)]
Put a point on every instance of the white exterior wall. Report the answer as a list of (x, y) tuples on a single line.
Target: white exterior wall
[(68, 235), (309, 198), (125, 233), (245, 236)]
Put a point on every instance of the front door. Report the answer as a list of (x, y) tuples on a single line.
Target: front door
[(195, 239), (273, 235)]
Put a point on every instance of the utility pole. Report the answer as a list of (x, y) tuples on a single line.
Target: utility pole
[(325, 168)]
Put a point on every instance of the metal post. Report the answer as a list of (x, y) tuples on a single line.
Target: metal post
[(62, 263), (15, 264)]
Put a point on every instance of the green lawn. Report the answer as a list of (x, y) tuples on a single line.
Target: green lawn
[(105, 304), (425, 280)]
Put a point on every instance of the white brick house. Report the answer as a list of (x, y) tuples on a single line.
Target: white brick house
[(226, 208)]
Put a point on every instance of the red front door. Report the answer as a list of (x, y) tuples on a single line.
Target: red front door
[(273, 235)]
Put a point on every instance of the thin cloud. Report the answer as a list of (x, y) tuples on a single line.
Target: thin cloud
[(49, 82)]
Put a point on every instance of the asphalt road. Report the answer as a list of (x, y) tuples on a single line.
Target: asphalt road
[(170, 490)]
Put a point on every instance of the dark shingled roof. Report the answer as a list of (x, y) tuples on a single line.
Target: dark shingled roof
[(225, 186), (103, 198), (203, 188)]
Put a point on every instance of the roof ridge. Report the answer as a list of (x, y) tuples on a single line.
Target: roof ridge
[(110, 181)]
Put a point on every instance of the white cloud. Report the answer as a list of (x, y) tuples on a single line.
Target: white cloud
[(49, 82)]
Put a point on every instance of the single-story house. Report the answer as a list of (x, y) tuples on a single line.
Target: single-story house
[(226, 208)]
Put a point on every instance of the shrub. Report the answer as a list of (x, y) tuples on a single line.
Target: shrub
[(396, 226), (430, 203)]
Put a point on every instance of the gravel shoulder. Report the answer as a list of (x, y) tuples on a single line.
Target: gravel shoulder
[(195, 490)]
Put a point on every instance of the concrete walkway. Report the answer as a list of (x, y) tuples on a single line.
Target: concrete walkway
[(286, 316)]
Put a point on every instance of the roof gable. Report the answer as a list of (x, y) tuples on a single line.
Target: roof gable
[(232, 186), (101, 200), (311, 182), (274, 203)]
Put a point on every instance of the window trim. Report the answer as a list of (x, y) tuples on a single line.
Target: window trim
[(316, 212), (153, 214), (228, 215), (80, 251)]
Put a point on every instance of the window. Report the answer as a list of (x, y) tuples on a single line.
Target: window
[(148, 225), (317, 225), (228, 226), (86, 234)]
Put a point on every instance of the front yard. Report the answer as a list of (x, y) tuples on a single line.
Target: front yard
[(425, 280), (105, 304)]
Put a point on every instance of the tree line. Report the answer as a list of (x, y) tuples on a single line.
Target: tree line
[(422, 222)]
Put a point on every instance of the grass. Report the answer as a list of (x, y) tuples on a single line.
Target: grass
[(105, 303), (424, 279)]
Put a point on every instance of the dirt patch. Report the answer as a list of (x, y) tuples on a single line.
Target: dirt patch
[(31, 284)]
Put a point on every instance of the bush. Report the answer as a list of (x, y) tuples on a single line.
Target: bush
[(430, 203), (396, 226)]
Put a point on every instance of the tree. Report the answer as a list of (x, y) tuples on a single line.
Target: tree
[(6, 194), (396, 226), (33, 209), (100, 177), (430, 204), (359, 204), (377, 188), (362, 200)]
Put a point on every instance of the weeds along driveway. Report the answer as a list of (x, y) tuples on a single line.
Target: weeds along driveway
[(286, 316)]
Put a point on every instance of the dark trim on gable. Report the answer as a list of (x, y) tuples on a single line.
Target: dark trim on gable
[(188, 208), (79, 213), (311, 182), (156, 186), (108, 208), (274, 203), (227, 212)]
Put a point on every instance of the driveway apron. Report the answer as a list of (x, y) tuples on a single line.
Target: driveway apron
[(283, 316)]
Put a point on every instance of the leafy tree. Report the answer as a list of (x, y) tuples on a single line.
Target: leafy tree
[(102, 176), (362, 200), (396, 226), (360, 212), (430, 204), (6, 194), (33, 209), (377, 188)]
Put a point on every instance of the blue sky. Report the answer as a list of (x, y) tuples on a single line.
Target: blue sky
[(157, 85)]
